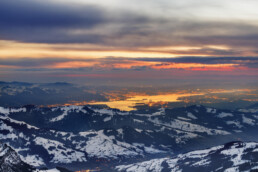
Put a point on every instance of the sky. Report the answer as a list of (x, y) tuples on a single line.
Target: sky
[(86, 41)]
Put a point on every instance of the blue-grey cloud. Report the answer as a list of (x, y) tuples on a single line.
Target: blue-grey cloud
[(27, 13), (37, 21), (45, 22), (251, 62), (204, 60)]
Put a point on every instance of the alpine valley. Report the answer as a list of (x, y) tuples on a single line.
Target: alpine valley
[(97, 138)]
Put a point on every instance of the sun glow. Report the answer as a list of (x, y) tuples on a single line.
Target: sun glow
[(130, 103), (134, 99), (43, 50), (38, 50)]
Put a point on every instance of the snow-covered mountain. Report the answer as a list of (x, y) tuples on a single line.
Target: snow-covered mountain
[(11, 162), (231, 157), (78, 137)]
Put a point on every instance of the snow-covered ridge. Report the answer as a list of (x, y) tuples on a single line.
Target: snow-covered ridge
[(188, 127), (248, 110), (103, 146), (61, 154), (11, 162), (18, 122), (228, 157), (223, 115), (66, 110), (7, 111), (45, 136)]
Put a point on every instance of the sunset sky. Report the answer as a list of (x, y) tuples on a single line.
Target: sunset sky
[(82, 40)]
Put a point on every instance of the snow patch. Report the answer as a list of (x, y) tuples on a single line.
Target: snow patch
[(66, 110), (7, 111), (190, 115), (211, 110), (224, 114), (248, 121), (61, 154)]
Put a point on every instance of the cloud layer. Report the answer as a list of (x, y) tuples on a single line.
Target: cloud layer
[(103, 24), (128, 39)]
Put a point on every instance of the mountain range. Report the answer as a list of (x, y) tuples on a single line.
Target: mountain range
[(100, 138)]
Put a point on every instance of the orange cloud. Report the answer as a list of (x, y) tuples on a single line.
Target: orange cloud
[(131, 64), (17, 49), (39, 50), (8, 67), (72, 64), (128, 64), (195, 66)]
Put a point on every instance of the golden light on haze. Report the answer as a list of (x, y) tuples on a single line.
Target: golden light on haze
[(218, 47), (13, 49), (169, 48), (133, 99), (39, 53), (89, 55), (42, 50), (187, 48), (129, 103), (39, 50)]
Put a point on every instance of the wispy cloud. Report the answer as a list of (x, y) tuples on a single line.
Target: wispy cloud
[(186, 63)]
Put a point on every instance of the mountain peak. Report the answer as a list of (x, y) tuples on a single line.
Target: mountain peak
[(234, 144)]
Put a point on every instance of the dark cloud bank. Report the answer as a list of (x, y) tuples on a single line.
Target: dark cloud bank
[(45, 22)]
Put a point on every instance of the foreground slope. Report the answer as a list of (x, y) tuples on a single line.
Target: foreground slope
[(231, 157), (11, 162)]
